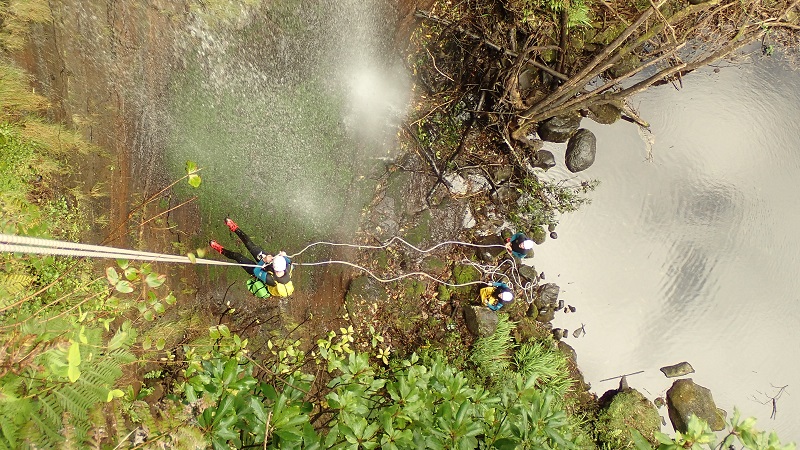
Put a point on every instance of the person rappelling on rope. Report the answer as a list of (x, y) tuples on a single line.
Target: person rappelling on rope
[(519, 245), (496, 295), (272, 273)]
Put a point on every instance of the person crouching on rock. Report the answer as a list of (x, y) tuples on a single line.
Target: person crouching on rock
[(519, 245), (496, 295)]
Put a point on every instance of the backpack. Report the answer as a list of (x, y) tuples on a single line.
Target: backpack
[(281, 290), (257, 288)]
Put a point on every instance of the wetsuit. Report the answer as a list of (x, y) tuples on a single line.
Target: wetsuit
[(262, 270)]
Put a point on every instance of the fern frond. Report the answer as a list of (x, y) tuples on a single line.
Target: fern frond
[(547, 364), (491, 354), (15, 283)]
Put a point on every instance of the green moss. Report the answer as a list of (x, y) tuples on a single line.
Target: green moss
[(413, 289), (628, 409), (444, 293), (422, 231)]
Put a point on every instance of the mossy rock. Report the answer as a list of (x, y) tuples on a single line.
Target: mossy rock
[(444, 293), (538, 235), (433, 264), (463, 274), (413, 289), (364, 290), (382, 258), (628, 63), (628, 409), (421, 231)]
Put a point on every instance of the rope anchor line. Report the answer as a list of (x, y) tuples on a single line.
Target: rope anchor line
[(24, 244)]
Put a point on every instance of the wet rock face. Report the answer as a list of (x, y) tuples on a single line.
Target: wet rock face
[(581, 150), (480, 321), (685, 398), (559, 128)]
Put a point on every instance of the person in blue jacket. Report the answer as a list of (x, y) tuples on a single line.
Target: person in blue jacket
[(272, 270), (496, 295), (519, 245)]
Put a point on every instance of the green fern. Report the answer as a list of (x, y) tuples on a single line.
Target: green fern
[(15, 283), (491, 354), (63, 411), (549, 366)]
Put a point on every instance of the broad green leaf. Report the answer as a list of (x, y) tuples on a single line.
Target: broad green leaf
[(74, 354), (147, 343), (124, 286), (225, 407), (131, 273), (191, 257), (191, 167), (639, 440), (149, 315), (195, 180), (170, 299), (73, 372), (112, 276), (114, 393), (154, 280), (122, 263), (159, 308), (229, 373), (160, 343)]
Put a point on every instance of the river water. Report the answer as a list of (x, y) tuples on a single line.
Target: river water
[(691, 254)]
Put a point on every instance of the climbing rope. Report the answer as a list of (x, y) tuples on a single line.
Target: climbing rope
[(397, 238), (24, 244)]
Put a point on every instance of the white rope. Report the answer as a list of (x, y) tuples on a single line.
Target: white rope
[(389, 280), (24, 244), (397, 238)]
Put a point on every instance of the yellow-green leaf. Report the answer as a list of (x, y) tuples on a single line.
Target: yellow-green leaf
[(114, 393)]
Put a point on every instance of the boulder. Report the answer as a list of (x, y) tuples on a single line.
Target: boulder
[(581, 150), (503, 173), (480, 321), (546, 315), (505, 196), (489, 254), (685, 398), (677, 370), (543, 159), (528, 273), (547, 296), (623, 409), (365, 290), (559, 128), (538, 235), (604, 113)]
